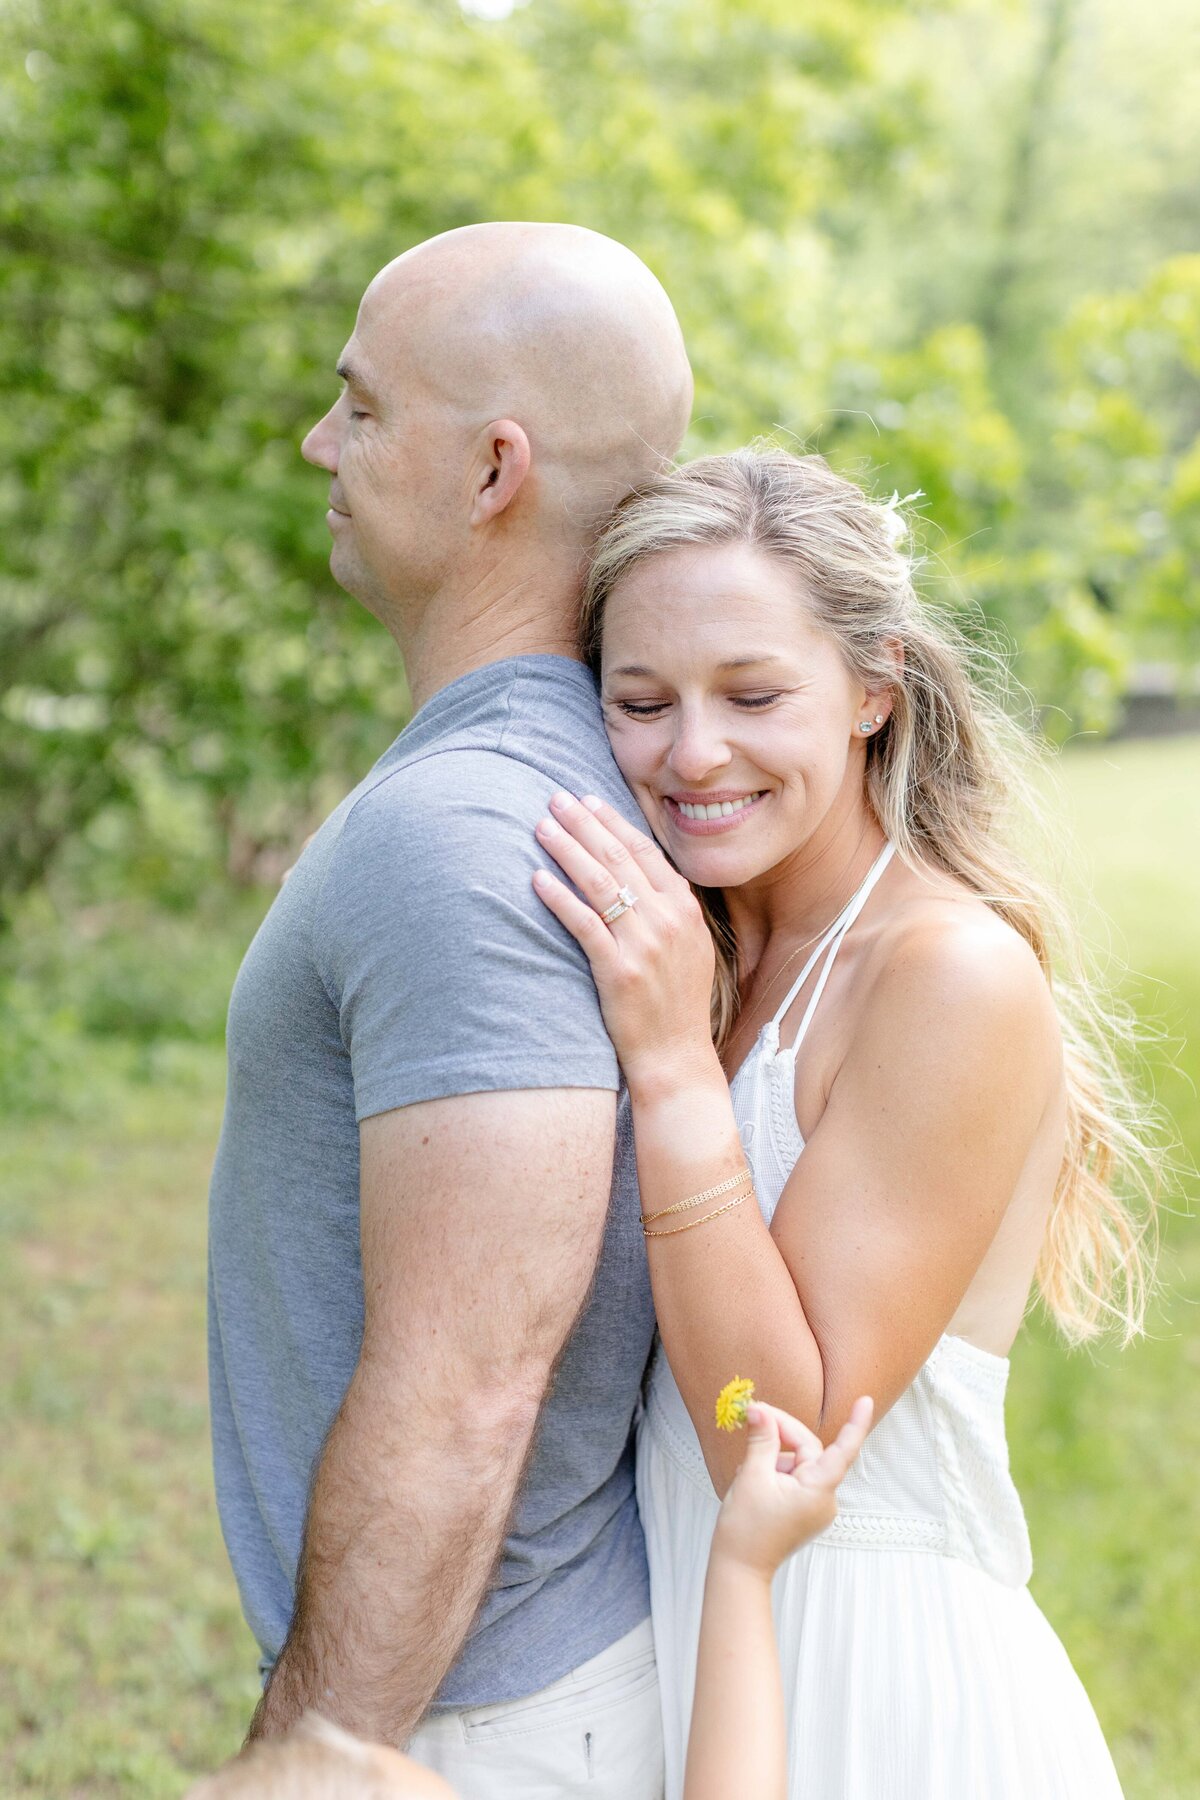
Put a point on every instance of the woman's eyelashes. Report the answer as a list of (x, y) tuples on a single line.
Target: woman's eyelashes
[(641, 709), (651, 709), (753, 701)]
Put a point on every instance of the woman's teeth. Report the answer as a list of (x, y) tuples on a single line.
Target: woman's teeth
[(719, 809)]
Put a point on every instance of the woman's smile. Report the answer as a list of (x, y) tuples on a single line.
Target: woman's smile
[(708, 814)]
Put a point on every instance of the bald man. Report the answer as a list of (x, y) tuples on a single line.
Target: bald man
[(424, 1245)]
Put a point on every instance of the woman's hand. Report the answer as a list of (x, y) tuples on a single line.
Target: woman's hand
[(653, 964), (785, 1490)]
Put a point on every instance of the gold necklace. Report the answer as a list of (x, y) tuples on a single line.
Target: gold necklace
[(790, 959)]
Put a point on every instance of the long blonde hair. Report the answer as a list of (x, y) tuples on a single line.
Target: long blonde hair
[(941, 775)]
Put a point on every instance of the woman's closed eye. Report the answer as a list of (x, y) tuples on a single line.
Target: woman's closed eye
[(641, 709), (650, 709)]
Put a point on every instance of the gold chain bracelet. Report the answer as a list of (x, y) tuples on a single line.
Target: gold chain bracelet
[(674, 1230), (712, 1193)]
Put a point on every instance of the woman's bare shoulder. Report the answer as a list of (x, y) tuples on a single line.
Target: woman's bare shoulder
[(944, 946)]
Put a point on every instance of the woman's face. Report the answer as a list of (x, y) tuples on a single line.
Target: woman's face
[(720, 691)]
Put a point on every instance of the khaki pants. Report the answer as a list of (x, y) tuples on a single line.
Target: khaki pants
[(597, 1734)]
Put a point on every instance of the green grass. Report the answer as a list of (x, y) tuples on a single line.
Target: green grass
[(124, 1662), (1105, 1446), (124, 1665)]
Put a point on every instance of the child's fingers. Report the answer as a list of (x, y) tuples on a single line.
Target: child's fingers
[(793, 1433), (851, 1437), (762, 1435), (836, 1458)]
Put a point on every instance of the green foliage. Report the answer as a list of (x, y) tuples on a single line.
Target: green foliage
[(131, 986), (856, 208), (1129, 442)]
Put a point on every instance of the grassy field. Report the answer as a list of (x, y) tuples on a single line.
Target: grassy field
[(124, 1665)]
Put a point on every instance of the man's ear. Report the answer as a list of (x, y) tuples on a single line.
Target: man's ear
[(502, 466)]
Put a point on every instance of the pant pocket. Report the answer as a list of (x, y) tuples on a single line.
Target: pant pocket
[(566, 1703)]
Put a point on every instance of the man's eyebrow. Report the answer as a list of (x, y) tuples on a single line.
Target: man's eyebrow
[(347, 372)]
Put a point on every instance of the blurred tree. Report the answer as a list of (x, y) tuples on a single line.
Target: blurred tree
[(843, 201), (1128, 436), (164, 615), (192, 197)]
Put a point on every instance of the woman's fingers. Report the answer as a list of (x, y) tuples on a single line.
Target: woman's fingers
[(597, 883), (581, 920), (620, 846)]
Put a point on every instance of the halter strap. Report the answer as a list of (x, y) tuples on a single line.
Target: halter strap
[(831, 940)]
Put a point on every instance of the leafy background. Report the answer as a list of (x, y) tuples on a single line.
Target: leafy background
[(955, 245)]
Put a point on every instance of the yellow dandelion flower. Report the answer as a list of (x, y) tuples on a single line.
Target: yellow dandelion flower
[(732, 1402)]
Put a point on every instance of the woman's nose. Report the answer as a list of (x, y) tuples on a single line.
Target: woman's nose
[(697, 751)]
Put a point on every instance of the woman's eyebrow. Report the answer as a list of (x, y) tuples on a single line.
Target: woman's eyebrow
[(751, 662), (736, 662)]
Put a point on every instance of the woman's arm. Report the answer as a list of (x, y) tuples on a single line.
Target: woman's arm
[(902, 1185)]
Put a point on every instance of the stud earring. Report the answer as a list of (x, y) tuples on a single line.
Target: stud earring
[(864, 725), (879, 718)]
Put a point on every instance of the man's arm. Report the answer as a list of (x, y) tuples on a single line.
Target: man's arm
[(482, 1219)]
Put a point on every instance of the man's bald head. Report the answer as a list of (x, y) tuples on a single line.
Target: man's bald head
[(557, 327), (506, 385)]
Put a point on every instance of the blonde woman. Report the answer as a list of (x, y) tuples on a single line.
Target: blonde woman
[(863, 1132)]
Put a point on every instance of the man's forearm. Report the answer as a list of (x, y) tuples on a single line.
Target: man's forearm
[(402, 1537)]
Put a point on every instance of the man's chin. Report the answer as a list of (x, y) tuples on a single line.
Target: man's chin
[(344, 568), (354, 580)]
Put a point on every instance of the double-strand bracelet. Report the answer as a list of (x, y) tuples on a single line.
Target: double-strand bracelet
[(674, 1230), (711, 1193)]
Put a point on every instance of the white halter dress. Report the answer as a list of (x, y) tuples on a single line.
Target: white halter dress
[(916, 1664)]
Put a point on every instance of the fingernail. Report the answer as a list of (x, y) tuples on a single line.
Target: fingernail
[(754, 1414), (561, 799), (592, 803), (546, 827)]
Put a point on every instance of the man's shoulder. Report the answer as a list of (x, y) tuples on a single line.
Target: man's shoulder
[(449, 803), (452, 786), (460, 798)]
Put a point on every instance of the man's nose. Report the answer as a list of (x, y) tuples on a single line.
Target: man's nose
[(320, 447), (699, 748)]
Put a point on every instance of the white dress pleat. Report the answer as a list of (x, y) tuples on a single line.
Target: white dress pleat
[(916, 1664)]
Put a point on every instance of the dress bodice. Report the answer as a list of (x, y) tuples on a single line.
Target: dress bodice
[(933, 1474)]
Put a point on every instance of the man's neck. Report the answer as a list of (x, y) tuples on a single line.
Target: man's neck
[(458, 633)]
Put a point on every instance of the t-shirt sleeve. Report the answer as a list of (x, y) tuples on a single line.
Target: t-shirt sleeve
[(448, 973)]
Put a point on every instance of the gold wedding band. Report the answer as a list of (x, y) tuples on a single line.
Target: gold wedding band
[(623, 903)]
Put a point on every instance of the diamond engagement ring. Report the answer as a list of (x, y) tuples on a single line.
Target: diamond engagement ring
[(624, 901)]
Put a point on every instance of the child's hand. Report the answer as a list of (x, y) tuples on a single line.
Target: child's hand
[(785, 1491)]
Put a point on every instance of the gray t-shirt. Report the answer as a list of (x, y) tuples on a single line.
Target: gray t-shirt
[(407, 958)]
